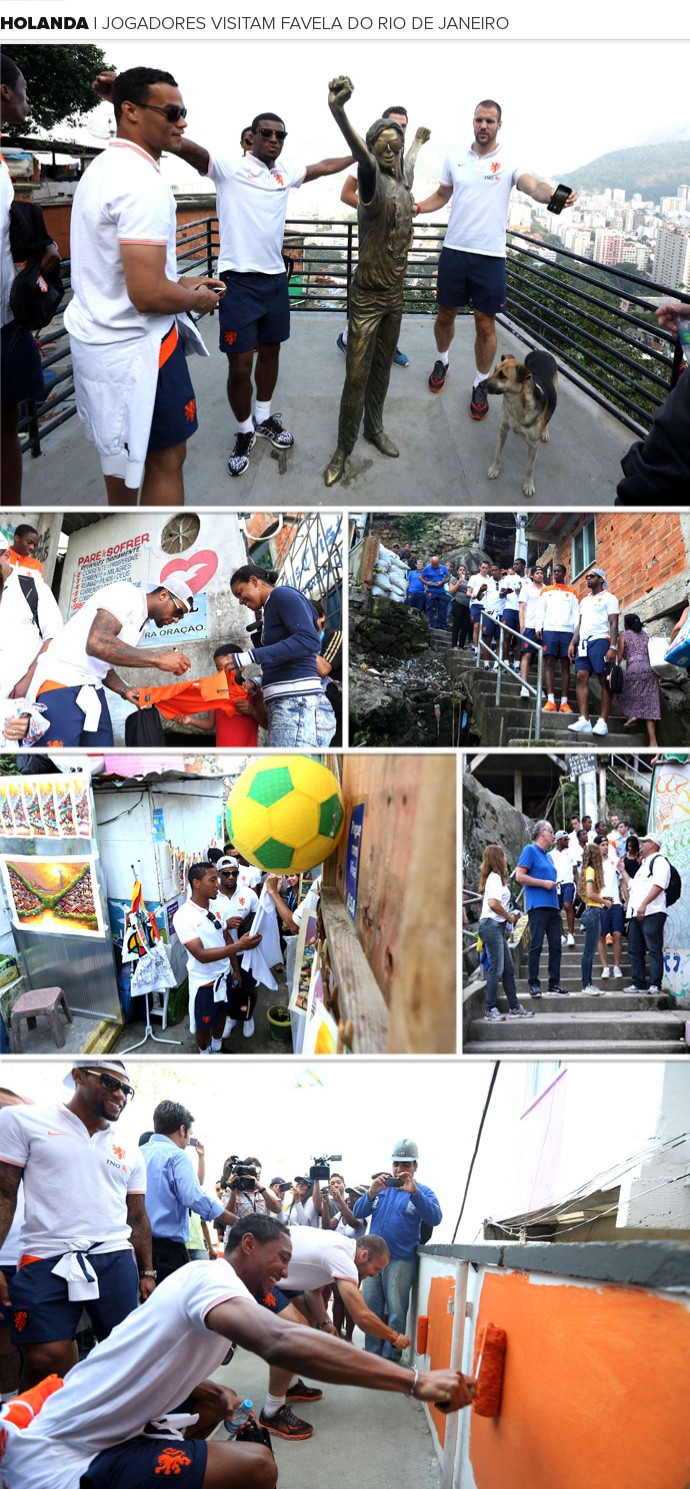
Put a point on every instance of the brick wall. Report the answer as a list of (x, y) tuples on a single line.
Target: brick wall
[(639, 553)]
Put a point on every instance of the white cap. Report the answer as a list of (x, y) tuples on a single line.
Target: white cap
[(179, 589), (112, 1067)]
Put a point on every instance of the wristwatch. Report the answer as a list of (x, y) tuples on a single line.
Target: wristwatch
[(146, 1272)]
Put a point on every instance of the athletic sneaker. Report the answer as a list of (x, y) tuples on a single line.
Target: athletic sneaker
[(605, 972), (400, 359), (437, 378), (564, 940), (558, 992), (248, 1028), (520, 1012), (601, 727), (633, 988), (228, 1027), (594, 992), (300, 1392), (570, 941), (272, 429), (617, 972), (284, 1423), (492, 1016), (479, 402), (550, 707), (239, 459), (524, 692), (341, 344), (654, 990), (565, 707), (535, 992), (581, 726)]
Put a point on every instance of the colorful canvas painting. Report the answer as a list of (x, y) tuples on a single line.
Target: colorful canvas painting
[(53, 896)]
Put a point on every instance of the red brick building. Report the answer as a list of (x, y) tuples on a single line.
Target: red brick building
[(645, 555)]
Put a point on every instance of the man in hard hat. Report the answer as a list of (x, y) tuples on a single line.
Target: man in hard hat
[(400, 1208)]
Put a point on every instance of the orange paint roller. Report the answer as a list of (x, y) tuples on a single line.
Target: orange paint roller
[(489, 1365)]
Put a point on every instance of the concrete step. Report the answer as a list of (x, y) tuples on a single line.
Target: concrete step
[(579, 1002), (657, 1048), (598, 1027)]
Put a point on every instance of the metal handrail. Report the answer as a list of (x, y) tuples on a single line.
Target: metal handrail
[(504, 666)]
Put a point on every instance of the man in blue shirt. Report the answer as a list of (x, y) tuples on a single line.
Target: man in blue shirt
[(172, 1189), (398, 1209), (434, 578), (537, 871)]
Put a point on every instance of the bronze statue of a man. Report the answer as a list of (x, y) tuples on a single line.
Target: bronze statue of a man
[(385, 214)]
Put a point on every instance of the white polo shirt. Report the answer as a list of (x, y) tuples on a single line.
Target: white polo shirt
[(245, 901), (639, 887), (319, 1257), (252, 203), (75, 1184), (611, 878), (595, 611), (474, 584), (121, 198), (479, 205), (148, 1365), (190, 923), (531, 599), (7, 265), (20, 639), (66, 661)]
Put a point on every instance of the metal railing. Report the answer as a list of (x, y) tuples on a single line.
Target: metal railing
[(504, 666), (604, 335)]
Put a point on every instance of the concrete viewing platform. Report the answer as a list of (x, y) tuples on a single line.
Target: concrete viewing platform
[(444, 455)]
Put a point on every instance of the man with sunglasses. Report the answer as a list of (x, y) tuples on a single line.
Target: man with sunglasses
[(72, 675), (128, 323), (252, 199), (593, 649), (86, 1239), (204, 926)]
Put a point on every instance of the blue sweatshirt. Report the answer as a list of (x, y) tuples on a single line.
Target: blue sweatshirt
[(397, 1216), (290, 644)]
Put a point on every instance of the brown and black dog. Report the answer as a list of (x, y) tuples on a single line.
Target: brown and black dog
[(529, 400)]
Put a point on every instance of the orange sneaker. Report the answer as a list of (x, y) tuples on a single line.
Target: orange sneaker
[(565, 707), (550, 708)]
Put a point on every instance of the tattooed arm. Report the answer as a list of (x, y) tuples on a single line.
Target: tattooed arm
[(141, 1241), (103, 642)]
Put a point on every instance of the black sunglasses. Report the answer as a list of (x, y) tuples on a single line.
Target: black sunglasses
[(270, 134), (111, 1083), (173, 112)]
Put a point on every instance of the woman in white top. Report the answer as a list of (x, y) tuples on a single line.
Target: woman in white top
[(496, 918)]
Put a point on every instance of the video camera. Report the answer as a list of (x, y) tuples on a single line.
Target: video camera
[(242, 1175), (320, 1167)]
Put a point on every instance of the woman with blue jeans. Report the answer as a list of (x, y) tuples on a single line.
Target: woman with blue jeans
[(299, 713), (495, 921), (590, 885)]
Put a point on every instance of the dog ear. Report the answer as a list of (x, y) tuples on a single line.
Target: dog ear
[(523, 373), (504, 357)]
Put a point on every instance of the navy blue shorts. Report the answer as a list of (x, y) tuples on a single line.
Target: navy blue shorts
[(511, 618), (529, 634), (476, 613), (489, 627), (6, 1313), (42, 1311), (567, 892), (473, 279), (556, 643), (21, 369), (143, 1462), (255, 308), (611, 920), (277, 1299), (595, 660), (174, 411), (66, 720), (206, 1010)]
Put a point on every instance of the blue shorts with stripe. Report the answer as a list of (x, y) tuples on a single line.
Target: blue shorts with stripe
[(42, 1310)]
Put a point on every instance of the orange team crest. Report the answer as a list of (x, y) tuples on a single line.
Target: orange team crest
[(230, 337), (119, 1152), (20, 1321), (190, 411), (172, 1461), (279, 179), (495, 167)]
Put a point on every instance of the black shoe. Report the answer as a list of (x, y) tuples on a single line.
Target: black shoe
[(272, 429), (437, 377), (239, 459), (558, 992), (479, 402), (300, 1392), (535, 992), (284, 1423)]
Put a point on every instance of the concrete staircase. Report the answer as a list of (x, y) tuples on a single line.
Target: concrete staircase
[(511, 722), (614, 1023)]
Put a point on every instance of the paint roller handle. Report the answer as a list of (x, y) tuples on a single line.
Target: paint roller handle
[(449, 1390)]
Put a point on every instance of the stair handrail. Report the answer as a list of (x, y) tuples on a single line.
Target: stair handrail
[(504, 666)]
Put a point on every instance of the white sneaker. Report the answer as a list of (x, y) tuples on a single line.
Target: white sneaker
[(248, 1028), (228, 1027), (605, 972), (524, 692), (617, 972), (516, 666), (487, 666), (570, 941), (581, 726), (601, 727), (593, 992), (564, 940), (633, 988), (655, 990)]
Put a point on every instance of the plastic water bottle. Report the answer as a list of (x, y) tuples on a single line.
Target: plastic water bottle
[(240, 1415)]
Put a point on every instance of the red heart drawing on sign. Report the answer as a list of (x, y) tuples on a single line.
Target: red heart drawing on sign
[(198, 569)]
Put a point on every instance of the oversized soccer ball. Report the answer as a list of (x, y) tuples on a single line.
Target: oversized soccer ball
[(285, 814)]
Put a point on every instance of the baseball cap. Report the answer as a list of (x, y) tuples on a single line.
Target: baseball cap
[(111, 1067), (650, 837), (601, 574), (226, 863), (179, 589), (405, 1151)]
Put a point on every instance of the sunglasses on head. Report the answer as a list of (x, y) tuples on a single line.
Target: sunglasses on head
[(111, 1083), (271, 134), (172, 111)]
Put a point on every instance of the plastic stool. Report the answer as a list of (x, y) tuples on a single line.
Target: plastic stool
[(47, 1001)]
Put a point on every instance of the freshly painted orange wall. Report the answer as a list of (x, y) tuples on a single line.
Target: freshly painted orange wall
[(595, 1393)]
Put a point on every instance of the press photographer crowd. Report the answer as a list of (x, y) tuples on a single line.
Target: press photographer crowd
[(126, 1283)]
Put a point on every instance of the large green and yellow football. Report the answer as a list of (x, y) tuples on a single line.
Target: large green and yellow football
[(285, 814)]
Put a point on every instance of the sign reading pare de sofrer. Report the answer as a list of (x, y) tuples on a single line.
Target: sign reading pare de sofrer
[(115, 563)]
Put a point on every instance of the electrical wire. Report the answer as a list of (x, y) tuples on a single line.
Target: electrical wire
[(480, 1129)]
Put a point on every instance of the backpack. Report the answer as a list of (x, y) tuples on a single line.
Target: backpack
[(143, 729), (28, 588), (674, 884)]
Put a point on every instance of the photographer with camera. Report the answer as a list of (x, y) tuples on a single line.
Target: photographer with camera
[(401, 1210), (172, 1189), (249, 1196)]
